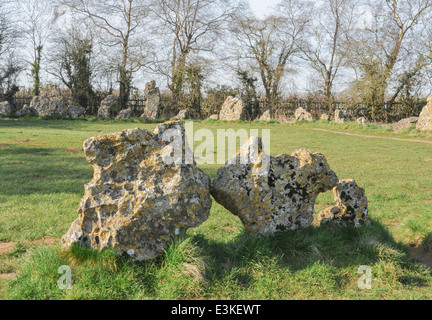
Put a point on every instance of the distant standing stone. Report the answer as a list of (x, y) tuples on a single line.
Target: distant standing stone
[(26, 111), (404, 124), (325, 117), (182, 115), (362, 121), (232, 110), (76, 111), (125, 114), (301, 114), (50, 103), (5, 108), (339, 118), (153, 101), (266, 116), (108, 107), (425, 119)]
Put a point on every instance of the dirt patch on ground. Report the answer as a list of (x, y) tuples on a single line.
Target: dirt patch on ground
[(421, 256), (8, 276), (8, 247), (71, 150), (392, 224), (428, 159), (47, 241)]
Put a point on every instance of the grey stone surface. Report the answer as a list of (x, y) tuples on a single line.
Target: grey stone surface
[(140, 197), (272, 194)]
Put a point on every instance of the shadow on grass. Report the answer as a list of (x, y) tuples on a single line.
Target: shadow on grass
[(230, 267), (338, 247)]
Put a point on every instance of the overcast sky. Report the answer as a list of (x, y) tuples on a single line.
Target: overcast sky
[(261, 7)]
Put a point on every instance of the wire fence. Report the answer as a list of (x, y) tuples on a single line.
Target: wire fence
[(287, 107)]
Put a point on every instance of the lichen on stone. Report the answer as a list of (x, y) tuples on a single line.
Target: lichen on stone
[(137, 201), (272, 194), (425, 118), (351, 206)]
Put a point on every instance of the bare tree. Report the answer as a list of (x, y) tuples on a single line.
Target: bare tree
[(267, 45), (194, 27), (72, 62), (120, 22), (35, 23), (328, 43), (10, 67), (381, 47)]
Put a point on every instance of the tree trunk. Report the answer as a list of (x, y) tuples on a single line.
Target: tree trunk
[(178, 76), (125, 78)]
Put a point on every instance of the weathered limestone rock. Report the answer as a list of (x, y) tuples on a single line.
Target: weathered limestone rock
[(76, 111), (325, 117), (301, 114), (108, 107), (50, 103), (182, 115), (272, 194), (5, 108), (404, 124), (351, 208), (232, 110), (125, 114), (266, 116), (26, 111), (140, 196), (362, 121), (338, 117), (425, 119), (153, 101), (214, 117)]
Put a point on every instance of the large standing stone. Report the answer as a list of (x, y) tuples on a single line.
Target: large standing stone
[(108, 107), (272, 194), (50, 103), (153, 101), (5, 108), (301, 114), (404, 124), (232, 110), (140, 196), (425, 119), (351, 208)]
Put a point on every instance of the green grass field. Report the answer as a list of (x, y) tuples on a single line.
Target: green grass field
[(43, 171)]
